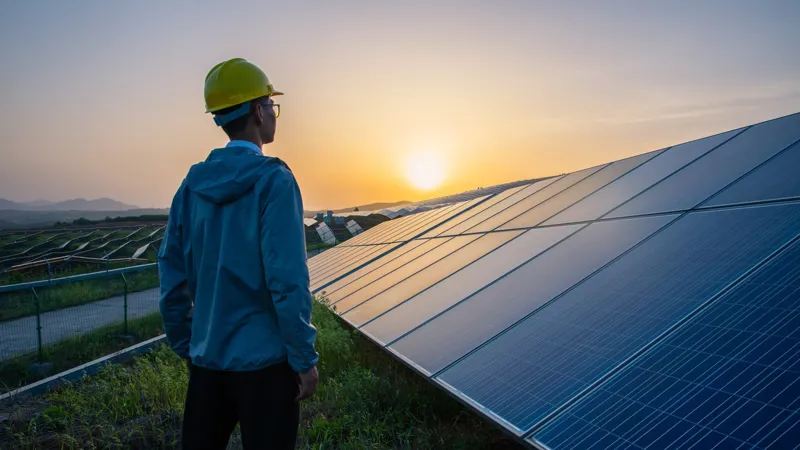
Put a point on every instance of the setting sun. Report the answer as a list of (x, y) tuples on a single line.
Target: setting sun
[(425, 170)]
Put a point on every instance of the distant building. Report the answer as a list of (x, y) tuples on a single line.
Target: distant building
[(329, 217), (320, 217), (338, 220)]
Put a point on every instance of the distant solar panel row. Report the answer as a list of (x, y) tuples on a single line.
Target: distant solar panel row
[(651, 302)]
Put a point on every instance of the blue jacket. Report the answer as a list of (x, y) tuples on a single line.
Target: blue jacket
[(232, 266)]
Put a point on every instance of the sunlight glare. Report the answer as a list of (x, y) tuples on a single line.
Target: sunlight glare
[(425, 170)]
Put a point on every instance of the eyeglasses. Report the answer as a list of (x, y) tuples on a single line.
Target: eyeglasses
[(276, 108)]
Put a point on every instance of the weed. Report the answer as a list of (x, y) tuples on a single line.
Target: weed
[(365, 400), (78, 350)]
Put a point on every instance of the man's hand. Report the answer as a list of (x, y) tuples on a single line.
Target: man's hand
[(308, 383)]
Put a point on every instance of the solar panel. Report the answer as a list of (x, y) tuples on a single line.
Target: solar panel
[(639, 179), (696, 182), (571, 343), (728, 378), (776, 179), (326, 234), (390, 262), (361, 258), (503, 202), (540, 196), (423, 279), (444, 294), (516, 294), (577, 192), (358, 240), (354, 228), (435, 249)]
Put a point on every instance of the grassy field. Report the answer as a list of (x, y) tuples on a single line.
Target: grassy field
[(365, 400), (76, 351), (22, 303)]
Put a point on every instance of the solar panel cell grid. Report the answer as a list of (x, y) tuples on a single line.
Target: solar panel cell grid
[(401, 223), (698, 181), (639, 179), (390, 279), (425, 278), (410, 234), (540, 196), (729, 377), (344, 258), (338, 271), (503, 202), (568, 345), (460, 285), (428, 220), (373, 272), (778, 178), (576, 192), (478, 318)]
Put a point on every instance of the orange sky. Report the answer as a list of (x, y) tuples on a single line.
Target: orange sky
[(105, 98)]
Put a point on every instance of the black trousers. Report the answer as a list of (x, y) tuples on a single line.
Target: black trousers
[(262, 403)]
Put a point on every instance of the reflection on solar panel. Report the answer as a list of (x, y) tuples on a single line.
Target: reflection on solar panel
[(651, 302), (354, 228), (326, 234)]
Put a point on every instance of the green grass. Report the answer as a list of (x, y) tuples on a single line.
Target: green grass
[(317, 246), (365, 400), (18, 304), (76, 351)]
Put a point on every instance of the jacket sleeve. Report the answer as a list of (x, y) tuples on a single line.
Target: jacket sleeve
[(175, 302), (283, 249)]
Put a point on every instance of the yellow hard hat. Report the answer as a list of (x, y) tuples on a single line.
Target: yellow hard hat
[(234, 82)]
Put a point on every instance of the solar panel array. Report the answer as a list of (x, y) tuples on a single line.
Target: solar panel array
[(652, 302)]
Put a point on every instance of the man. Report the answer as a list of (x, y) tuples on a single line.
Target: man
[(235, 295)]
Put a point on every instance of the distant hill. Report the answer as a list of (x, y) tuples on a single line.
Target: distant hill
[(35, 219), (78, 204), (369, 207)]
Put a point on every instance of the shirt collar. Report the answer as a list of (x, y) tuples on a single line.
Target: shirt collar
[(246, 144)]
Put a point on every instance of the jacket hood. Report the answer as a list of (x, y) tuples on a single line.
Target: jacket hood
[(227, 174)]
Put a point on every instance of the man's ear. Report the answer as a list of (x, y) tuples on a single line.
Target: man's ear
[(259, 114)]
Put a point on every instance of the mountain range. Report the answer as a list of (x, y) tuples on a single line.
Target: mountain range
[(77, 204)]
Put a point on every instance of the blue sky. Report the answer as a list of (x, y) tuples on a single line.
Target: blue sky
[(104, 98)]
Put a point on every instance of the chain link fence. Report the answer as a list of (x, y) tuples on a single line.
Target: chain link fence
[(53, 325)]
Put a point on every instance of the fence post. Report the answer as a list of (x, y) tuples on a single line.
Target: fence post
[(38, 326), (125, 335), (125, 301)]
